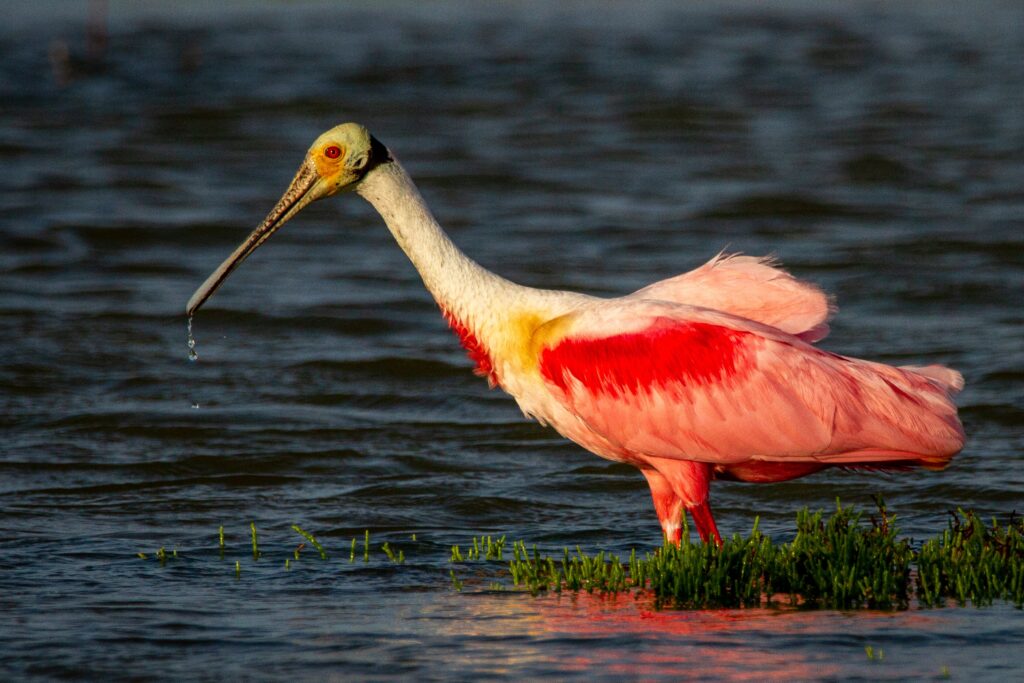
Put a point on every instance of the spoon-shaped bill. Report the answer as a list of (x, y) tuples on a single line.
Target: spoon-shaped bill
[(304, 188)]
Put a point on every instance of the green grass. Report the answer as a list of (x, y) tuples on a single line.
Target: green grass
[(973, 562), (255, 542), (398, 557), (835, 562), (312, 539), (841, 560), (492, 549)]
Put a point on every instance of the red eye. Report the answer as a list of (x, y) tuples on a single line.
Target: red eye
[(332, 152)]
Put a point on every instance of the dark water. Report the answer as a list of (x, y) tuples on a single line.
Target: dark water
[(877, 150)]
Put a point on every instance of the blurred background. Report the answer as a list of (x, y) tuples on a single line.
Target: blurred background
[(875, 148)]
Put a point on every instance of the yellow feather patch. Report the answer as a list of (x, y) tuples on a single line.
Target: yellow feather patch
[(532, 332)]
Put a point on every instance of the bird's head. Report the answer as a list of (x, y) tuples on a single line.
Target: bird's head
[(336, 161)]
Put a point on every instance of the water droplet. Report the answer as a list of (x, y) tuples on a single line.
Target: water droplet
[(192, 355)]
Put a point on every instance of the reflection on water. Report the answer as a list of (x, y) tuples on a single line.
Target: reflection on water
[(626, 636), (874, 149)]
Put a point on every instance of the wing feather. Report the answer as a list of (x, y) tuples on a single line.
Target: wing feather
[(753, 288), (691, 383)]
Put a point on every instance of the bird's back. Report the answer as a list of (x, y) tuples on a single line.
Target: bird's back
[(657, 378)]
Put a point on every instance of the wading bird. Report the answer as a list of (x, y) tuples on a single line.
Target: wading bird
[(707, 375)]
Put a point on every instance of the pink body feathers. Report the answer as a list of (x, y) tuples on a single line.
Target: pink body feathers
[(709, 374), (712, 374)]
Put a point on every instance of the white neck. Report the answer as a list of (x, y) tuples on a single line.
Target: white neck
[(475, 299), (455, 280)]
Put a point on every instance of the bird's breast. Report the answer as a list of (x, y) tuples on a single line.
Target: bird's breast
[(502, 344), (476, 349)]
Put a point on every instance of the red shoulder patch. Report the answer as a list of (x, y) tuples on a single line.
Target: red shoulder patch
[(668, 351), (475, 349)]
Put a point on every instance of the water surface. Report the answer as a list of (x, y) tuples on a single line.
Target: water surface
[(876, 150)]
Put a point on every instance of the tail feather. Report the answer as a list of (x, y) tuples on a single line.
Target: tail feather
[(951, 380), (815, 334)]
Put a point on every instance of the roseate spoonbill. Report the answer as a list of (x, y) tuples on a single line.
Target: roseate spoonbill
[(710, 374)]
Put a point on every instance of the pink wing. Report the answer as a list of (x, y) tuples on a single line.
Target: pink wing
[(673, 381), (752, 288)]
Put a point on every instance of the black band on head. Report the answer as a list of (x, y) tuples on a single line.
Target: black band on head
[(379, 154)]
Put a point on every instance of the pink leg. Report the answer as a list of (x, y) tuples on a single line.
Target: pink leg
[(667, 504), (690, 482), (705, 522)]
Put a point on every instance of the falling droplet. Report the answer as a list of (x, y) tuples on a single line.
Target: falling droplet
[(192, 355)]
